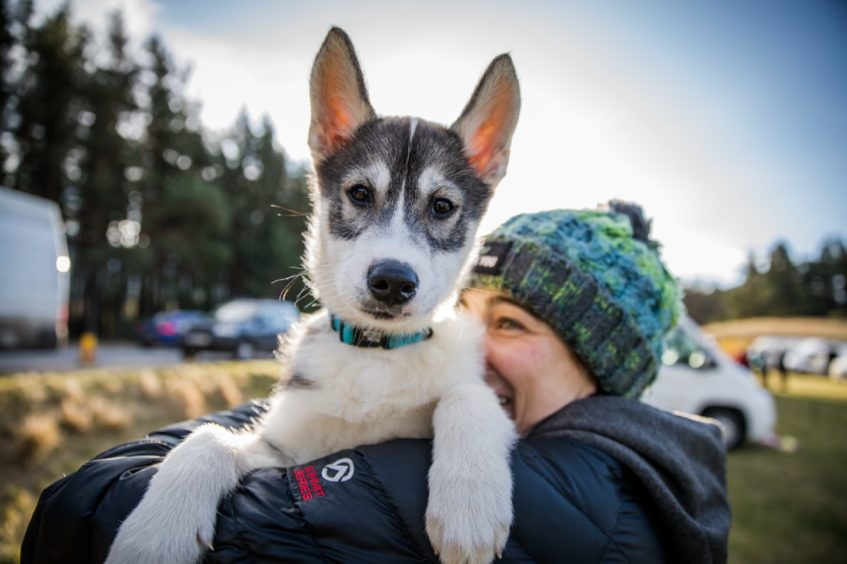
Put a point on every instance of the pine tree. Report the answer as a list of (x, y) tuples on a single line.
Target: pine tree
[(7, 42), (280, 238), (49, 103), (173, 157), (784, 282), (107, 220)]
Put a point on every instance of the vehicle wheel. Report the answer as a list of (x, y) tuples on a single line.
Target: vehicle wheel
[(189, 354), (244, 350), (48, 339), (732, 423)]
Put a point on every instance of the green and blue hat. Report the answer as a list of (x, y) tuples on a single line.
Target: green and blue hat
[(597, 279)]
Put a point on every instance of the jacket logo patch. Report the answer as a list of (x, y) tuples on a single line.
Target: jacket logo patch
[(339, 471), (308, 483)]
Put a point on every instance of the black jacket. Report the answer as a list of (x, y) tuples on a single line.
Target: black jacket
[(571, 499)]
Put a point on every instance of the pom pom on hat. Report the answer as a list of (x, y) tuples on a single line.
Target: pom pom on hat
[(640, 224)]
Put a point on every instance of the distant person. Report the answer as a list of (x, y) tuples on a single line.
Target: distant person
[(783, 371), (575, 305), (763, 367)]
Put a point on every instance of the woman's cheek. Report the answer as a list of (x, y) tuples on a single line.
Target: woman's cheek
[(531, 355), (523, 365)]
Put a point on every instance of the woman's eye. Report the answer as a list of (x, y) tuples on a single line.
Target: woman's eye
[(359, 194), (442, 207), (507, 323)]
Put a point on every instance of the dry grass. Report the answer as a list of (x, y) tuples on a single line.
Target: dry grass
[(230, 392), (50, 424), (784, 326), (38, 434), (150, 385), (74, 416), (14, 517), (187, 397)]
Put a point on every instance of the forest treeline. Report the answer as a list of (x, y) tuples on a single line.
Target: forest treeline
[(160, 213), (816, 287)]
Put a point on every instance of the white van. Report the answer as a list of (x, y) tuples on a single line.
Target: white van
[(34, 271), (698, 377)]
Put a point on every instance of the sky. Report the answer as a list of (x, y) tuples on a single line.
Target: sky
[(726, 121)]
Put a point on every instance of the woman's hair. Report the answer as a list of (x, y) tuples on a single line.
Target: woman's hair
[(597, 279)]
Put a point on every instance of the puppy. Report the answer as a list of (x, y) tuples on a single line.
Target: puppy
[(397, 202)]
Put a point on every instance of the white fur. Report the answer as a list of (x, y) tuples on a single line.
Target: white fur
[(359, 396)]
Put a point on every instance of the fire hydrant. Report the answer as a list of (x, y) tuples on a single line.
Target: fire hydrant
[(88, 348)]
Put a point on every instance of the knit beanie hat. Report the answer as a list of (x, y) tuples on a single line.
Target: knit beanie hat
[(597, 279)]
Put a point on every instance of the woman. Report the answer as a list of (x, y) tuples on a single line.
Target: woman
[(576, 304)]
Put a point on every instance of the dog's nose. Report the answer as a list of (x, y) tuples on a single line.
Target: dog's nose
[(392, 282)]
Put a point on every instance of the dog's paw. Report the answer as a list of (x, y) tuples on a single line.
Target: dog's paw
[(468, 520), (147, 538)]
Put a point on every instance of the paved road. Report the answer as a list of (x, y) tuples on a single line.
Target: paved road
[(109, 355)]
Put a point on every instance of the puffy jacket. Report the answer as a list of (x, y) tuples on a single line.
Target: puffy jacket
[(363, 505)]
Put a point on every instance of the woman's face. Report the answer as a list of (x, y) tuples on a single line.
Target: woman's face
[(532, 371)]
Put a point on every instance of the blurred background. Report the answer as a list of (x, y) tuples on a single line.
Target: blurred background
[(153, 194)]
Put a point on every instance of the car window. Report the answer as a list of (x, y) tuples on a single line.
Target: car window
[(681, 348), (235, 312), (277, 318), (267, 319)]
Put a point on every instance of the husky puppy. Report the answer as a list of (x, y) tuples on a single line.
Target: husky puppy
[(397, 202)]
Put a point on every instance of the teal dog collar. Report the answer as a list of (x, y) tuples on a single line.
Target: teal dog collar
[(368, 338)]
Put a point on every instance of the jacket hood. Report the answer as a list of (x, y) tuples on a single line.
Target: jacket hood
[(680, 459)]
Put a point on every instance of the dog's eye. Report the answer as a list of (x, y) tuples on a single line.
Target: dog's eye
[(442, 207), (359, 194)]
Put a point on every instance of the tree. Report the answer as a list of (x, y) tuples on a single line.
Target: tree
[(7, 42), (103, 190), (173, 156), (751, 298), (48, 103), (825, 280), (783, 282), (267, 240)]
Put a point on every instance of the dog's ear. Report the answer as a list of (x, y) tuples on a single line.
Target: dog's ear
[(339, 98), (489, 119)]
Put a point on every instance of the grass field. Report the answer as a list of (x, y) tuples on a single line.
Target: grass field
[(792, 507), (788, 507), (50, 424)]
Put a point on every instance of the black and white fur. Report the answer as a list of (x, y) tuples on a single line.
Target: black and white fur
[(427, 188)]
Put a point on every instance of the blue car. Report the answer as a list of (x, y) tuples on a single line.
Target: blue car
[(242, 327), (168, 327)]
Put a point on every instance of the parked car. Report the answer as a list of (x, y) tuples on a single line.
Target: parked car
[(34, 272), (697, 377), (242, 327), (768, 349), (838, 367), (813, 355), (168, 327)]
